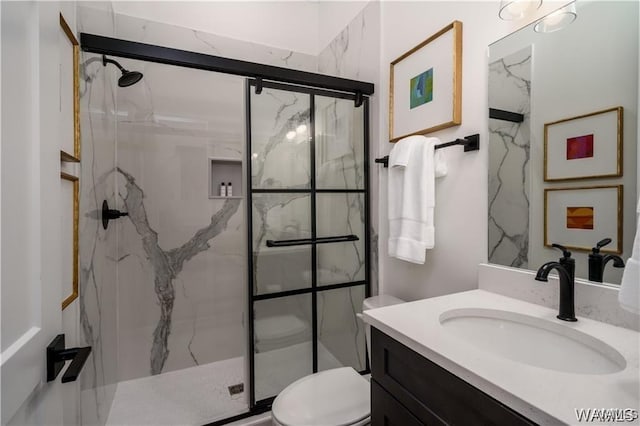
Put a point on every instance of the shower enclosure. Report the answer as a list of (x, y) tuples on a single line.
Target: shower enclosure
[(225, 298), (309, 242)]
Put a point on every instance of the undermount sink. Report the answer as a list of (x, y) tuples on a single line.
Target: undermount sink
[(533, 341)]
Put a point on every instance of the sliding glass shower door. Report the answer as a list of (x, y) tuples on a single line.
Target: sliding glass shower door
[(308, 240)]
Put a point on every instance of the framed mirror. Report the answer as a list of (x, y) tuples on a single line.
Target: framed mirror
[(569, 97)]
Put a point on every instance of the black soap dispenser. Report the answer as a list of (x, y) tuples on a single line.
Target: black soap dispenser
[(567, 262), (596, 261)]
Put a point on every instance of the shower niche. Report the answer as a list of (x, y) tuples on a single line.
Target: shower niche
[(225, 171)]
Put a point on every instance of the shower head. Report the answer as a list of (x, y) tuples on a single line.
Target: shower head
[(128, 78)]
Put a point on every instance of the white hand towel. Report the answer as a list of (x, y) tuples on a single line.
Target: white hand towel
[(629, 296), (411, 189)]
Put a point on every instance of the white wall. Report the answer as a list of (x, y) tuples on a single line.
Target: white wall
[(31, 272), (461, 206), (290, 25)]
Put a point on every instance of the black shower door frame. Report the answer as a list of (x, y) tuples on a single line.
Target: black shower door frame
[(252, 84)]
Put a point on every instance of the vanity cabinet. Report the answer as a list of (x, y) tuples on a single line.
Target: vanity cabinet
[(407, 389)]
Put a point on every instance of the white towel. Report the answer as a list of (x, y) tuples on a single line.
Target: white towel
[(413, 166), (629, 296)]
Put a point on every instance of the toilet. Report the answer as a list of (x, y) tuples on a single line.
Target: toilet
[(336, 397)]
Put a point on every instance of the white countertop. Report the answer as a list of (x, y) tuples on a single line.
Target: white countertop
[(545, 396)]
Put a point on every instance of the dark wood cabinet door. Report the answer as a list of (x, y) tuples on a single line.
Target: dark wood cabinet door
[(432, 394), (387, 411)]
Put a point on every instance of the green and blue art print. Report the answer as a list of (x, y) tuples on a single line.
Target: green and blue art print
[(421, 87)]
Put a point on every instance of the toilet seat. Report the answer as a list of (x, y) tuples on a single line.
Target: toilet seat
[(337, 397)]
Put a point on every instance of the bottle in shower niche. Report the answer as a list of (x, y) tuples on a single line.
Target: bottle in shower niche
[(229, 190), (223, 190)]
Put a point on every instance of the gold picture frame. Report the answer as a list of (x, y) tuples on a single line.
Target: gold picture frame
[(569, 204), (582, 147), (74, 255), (432, 71), (75, 46)]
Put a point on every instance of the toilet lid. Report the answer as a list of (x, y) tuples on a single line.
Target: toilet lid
[(336, 397)]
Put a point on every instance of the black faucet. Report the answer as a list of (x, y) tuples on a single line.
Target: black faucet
[(566, 271), (597, 262)]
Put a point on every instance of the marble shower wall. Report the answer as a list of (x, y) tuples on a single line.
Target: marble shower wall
[(98, 247), (182, 254), (355, 54), (182, 257), (509, 156)]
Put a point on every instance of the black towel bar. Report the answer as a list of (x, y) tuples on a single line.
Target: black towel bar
[(470, 143)]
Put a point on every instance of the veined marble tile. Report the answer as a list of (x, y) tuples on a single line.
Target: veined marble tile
[(97, 247), (182, 255), (280, 217), (161, 34), (280, 126), (340, 214), (166, 266), (509, 180), (340, 331), (354, 54), (339, 144)]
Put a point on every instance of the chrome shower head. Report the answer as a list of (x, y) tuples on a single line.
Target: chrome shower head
[(128, 78)]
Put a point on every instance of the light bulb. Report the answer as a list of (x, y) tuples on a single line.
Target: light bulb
[(557, 20), (291, 134), (516, 9), (301, 128)]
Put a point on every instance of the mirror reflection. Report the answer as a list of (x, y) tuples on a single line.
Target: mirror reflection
[(563, 141)]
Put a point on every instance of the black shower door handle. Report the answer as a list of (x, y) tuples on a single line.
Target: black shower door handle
[(305, 241)]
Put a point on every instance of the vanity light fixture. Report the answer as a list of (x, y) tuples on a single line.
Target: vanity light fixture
[(515, 9), (557, 20)]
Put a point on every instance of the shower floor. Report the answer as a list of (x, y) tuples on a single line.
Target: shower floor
[(192, 396), (198, 395)]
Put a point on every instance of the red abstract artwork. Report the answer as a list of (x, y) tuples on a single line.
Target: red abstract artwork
[(580, 147), (580, 217)]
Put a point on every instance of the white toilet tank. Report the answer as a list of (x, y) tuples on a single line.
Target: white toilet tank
[(372, 303)]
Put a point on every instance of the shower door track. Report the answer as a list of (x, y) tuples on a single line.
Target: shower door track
[(165, 55), (295, 80)]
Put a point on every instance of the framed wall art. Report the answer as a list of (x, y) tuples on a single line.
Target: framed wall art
[(579, 217), (425, 93), (584, 147)]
